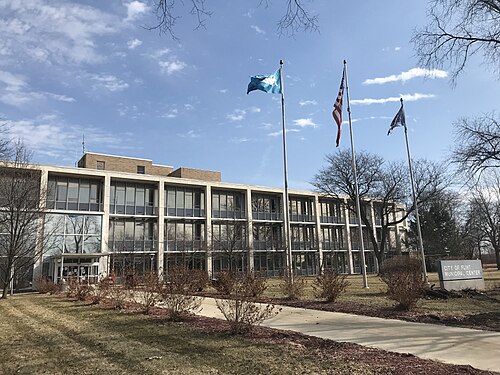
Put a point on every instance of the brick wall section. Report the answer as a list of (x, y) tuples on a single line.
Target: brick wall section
[(121, 164), (196, 174)]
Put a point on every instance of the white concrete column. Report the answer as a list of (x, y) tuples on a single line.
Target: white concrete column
[(319, 232), (208, 228), (161, 229), (39, 250), (248, 197), (104, 260), (347, 233), (374, 231)]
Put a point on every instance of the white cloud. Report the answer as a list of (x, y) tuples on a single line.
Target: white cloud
[(406, 76), (188, 107), (406, 97), (223, 91), (15, 91), (189, 134), (108, 82), (134, 43), (48, 135), (397, 49), (254, 109), (54, 32), (171, 67), (237, 115), (239, 140), (308, 102), (275, 134), (171, 113), (135, 10), (258, 30), (304, 123)]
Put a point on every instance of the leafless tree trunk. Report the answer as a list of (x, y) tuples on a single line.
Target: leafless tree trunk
[(21, 215), (4, 142)]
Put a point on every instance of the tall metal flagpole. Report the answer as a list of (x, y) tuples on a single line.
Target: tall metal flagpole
[(288, 240), (419, 231), (358, 207)]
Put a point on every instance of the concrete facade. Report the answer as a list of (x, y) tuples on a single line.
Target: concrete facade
[(129, 222)]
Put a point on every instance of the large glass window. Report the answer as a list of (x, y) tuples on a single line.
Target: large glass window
[(302, 209), (266, 207), (76, 194), (132, 235), (228, 204), (229, 236), (355, 244), (268, 237), (133, 199), (331, 211), (184, 201), (269, 263), (333, 237), (303, 237), (185, 235), (77, 234)]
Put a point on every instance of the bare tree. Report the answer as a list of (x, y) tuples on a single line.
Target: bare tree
[(167, 12), (21, 217), (485, 203), (4, 142), (477, 144), (457, 30), (387, 185), (230, 241)]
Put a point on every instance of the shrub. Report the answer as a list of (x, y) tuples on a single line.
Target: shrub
[(149, 293), (71, 287), (292, 290), (225, 283), (118, 296), (241, 313), (83, 291), (330, 285), (100, 291), (405, 284), (177, 293), (45, 286), (199, 280)]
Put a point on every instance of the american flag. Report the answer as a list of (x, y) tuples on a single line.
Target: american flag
[(337, 108), (399, 119)]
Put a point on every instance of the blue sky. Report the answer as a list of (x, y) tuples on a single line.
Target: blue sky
[(90, 67)]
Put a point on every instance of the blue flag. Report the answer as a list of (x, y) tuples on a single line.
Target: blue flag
[(270, 83)]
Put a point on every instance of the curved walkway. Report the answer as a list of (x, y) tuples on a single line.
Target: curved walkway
[(461, 346)]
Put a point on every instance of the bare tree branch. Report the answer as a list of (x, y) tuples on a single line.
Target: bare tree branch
[(167, 12), (457, 30), (477, 144)]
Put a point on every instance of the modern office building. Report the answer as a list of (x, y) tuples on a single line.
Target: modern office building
[(127, 215)]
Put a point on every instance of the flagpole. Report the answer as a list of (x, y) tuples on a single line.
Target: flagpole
[(358, 207), (288, 240), (419, 231)]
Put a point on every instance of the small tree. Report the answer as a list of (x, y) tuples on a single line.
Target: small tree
[(404, 279), (177, 294), (330, 285), (240, 311), (148, 292), (292, 289)]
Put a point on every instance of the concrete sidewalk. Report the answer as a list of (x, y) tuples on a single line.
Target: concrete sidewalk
[(461, 346)]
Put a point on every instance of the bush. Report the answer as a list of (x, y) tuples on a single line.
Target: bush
[(100, 291), (241, 313), (118, 296), (292, 290), (405, 283), (177, 294), (149, 292), (45, 286), (225, 283), (71, 287), (83, 291), (199, 280), (330, 285)]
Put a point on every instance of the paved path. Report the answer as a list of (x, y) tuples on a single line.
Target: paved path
[(461, 346)]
